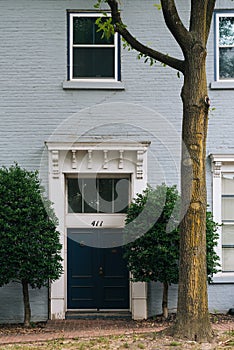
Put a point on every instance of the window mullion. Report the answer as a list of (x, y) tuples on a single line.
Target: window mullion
[(82, 195), (113, 196), (98, 195), (102, 46)]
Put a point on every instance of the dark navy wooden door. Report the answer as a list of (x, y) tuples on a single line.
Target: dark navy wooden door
[(97, 277)]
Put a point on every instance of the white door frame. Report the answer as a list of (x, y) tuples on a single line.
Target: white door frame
[(117, 157)]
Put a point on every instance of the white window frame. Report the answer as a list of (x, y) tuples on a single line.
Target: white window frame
[(217, 46), (221, 164), (71, 46)]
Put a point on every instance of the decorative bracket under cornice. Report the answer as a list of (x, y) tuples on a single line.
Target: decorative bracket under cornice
[(127, 151)]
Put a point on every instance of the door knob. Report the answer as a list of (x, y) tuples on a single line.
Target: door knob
[(100, 270)]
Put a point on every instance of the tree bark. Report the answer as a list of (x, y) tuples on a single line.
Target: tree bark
[(165, 300), (27, 308), (192, 311)]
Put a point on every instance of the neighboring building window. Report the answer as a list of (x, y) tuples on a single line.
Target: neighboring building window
[(91, 56), (224, 46), (228, 222), (98, 195), (223, 212)]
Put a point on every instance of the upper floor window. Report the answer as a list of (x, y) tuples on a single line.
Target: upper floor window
[(92, 57), (224, 46)]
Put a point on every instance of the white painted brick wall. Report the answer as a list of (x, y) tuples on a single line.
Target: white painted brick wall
[(33, 58)]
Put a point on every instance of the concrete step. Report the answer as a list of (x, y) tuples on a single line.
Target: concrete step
[(72, 315)]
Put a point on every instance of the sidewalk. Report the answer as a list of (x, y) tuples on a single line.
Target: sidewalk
[(68, 329)]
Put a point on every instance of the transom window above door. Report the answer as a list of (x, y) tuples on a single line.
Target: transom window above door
[(92, 56), (98, 195)]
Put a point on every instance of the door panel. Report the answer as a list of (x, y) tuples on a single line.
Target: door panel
[(97, 277), (81, 278), (114, 283)]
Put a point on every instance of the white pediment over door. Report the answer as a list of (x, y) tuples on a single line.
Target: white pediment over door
[(96, 157)]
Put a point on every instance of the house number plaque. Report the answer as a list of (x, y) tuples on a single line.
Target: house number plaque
[(97, 223)]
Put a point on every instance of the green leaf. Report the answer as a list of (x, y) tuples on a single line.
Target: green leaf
[(158, 6)]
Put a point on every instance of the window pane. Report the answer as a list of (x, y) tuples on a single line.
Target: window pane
[(228, 208), (226, 63), (74, 196), (93, 63), (226, 31), (105, 195), (121, 195), (85, 32), (228, 184), (228, 234), (82, 30), (228, 259), (90, 195)]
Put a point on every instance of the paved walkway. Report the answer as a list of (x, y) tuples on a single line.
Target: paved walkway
[(71, 329)]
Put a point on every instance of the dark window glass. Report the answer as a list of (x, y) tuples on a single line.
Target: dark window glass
[(105, 195), (90, 197), (93, 63), (121, 195), (226, 63), (98, 195), (226, 31), (85, 32), (74, 196)]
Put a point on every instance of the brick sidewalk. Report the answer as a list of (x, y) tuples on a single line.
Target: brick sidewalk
[(69, 329)]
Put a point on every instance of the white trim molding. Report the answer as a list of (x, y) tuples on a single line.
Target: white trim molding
[(90, 158), (221, 164), (103, 46)]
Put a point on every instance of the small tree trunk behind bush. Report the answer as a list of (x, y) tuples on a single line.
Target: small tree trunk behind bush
[(165, 300), (27, 308)]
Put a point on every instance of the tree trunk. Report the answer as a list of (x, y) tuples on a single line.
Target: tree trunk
[(27, 309), (165, 300), (192, 311)]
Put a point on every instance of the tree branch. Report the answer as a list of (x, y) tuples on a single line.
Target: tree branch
[(174, 23), (209, 16), (200, 18), (135, 44)]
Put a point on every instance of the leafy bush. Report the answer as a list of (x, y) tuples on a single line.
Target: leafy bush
[(29, 241), (154, 254)]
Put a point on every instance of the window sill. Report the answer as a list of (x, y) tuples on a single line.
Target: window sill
[(222, 85), (90, 85), (225, 278)]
